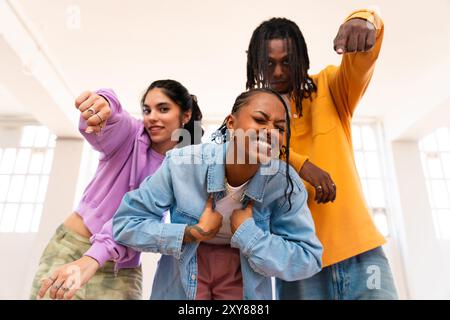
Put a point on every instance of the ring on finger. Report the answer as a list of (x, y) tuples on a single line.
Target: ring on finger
[(55, 286), (101, 120), (91, 111), (319, 188)]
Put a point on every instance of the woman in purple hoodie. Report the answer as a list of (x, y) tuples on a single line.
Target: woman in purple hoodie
[(82, 260)]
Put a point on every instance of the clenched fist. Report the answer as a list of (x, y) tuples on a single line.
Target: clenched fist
[(355, 35), (94, 109), (239, 216), (320, 180), (208, 225)]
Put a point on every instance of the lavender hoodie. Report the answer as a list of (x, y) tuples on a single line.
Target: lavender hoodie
[(125, 160)]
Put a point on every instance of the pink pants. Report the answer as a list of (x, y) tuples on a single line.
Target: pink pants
[(219, 273)]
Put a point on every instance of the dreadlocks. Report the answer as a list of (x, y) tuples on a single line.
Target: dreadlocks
[(257, 58)]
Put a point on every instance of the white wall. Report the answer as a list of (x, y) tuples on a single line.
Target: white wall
[(16, 251), (15, 248), (426, 258)]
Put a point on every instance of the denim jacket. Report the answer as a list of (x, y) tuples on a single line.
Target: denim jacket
[(277, 242)]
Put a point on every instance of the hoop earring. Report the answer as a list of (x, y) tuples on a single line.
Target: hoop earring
[(282, 151)]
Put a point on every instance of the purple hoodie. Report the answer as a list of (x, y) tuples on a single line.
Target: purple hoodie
[(125, 160)]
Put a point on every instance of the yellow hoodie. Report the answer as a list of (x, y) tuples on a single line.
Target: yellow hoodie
[(323, 135)]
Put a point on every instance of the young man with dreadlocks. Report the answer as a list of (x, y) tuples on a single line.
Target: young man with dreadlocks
[(322, 107)]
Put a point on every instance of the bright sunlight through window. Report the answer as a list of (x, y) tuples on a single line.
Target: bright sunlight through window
[(24, 173)]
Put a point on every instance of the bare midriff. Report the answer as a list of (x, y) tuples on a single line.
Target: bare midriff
[(75, 223)]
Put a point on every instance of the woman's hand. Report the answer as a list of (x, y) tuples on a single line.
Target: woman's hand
[(207, 227), (240, 215), (67, 279), (94, 109), (320, 180)]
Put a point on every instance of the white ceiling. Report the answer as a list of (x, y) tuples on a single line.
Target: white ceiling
[(8, 103), (127, 45)]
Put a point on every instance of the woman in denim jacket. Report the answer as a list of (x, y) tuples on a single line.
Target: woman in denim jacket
[(238, 214)]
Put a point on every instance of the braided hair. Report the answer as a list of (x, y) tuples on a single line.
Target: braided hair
[(257, 58)]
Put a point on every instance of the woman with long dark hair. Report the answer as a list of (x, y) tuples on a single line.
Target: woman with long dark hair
[(82, 260)]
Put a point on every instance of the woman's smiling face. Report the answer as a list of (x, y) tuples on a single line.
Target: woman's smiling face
[(258, 127), (162, 116)]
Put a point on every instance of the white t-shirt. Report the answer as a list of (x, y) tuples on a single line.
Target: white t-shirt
[(225, 206)]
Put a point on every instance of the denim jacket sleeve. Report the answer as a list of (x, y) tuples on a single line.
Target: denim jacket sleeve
[(290, 250), (138, 220)]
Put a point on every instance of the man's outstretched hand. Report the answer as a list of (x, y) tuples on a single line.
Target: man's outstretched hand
[(355, 35)]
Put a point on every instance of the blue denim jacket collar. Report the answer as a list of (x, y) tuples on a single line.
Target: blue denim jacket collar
[(216, 176)]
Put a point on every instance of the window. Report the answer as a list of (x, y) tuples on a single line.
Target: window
[(435, 154), (24, 173), (367, 148)]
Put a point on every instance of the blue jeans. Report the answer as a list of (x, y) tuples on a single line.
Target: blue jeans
[(366, 276)]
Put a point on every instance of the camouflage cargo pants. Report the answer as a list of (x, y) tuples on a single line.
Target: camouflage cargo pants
[(67, 246)]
